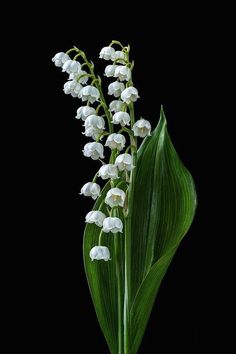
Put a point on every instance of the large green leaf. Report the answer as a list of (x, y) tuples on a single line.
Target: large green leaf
[(102, 276), (163, 209)]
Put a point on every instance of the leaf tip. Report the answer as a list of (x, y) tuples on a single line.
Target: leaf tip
[(162, 117)]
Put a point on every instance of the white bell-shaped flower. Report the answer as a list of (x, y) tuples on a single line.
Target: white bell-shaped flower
[(94, 150), (77, 76), (91, 189), (94, 126), (72, 87), (89, 93), (116, 141), (115, 88), (119, 55), (71, 66), (110, 70), (108, 171), (84, 111), (95, 217), (115, 197), (142, 128), (69, 87), (76, 91), (107, 53), (123, 73), (122, 118), (112, 224), (130, 94), (116, 106), (60, 58), (124, 162), (100, 252)]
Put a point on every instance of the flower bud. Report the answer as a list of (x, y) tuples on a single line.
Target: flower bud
[(100, 252), (115, 88), (112, 224), (71, 66), (115, 141), (123, 73), (110, 70), (119, 55), (76, 76), (108, 171), (94, 150), (60, 58), (89, 93), (142, 128), (116, 106), (115, 197), (84, 111), (122, 118), (124, 162), (107, 53), (91, 189), (94, 126), (130, 94), (95, 217)]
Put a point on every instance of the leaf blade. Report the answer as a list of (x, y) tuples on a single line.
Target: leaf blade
[(101, 278), (163, 209)]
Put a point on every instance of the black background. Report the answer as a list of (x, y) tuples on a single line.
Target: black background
[(184, 62)]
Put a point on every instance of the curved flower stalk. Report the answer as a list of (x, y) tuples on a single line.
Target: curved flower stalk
[(146, 206)]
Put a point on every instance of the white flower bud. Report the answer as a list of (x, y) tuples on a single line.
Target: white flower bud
[(116, 106), (108, 171), (72, 87), (119, 55), (94, 121), (84, 111), (123, 73), (100, 252), (116, 141), (76, 76), (110, 70), (115, 88), (94, 150), (94, 126), (142, 128), (91, 189), (124, 162), (69, 87), (112, 224), (130, 94), (107, 53), (71, 66), (89, 93), (60, 58), (95, 217), (122, 118), (115, 197)]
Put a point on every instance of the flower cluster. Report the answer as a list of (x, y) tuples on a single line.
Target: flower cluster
[(100, 121)]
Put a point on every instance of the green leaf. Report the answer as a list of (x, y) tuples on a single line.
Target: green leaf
[(162, 212), (102, 276)]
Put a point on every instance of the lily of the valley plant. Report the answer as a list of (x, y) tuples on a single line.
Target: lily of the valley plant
[(142, 210)]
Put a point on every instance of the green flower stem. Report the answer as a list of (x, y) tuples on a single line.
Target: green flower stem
[(72, 50), (116, 42), (128, 233), (127, 130), (95, 177), (101, 136), (118, 259), (100, 238), (97, 82)]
